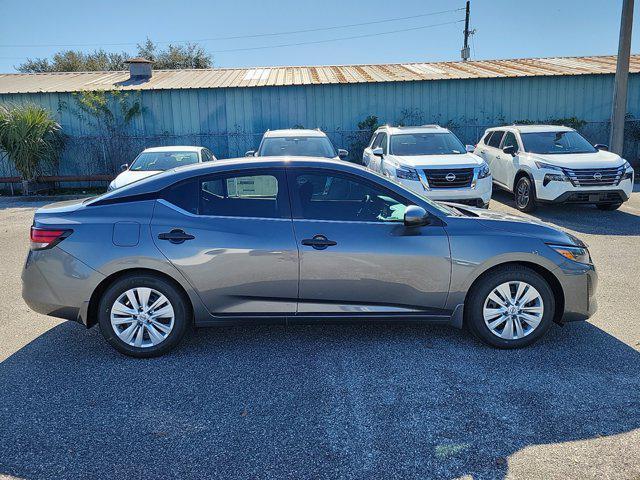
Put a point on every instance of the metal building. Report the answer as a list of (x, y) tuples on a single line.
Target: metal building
[(229, 109)]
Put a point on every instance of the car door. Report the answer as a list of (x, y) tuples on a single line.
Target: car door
[(370, 160), (356, 255), (231, 236), (496, 155), (510, 163)]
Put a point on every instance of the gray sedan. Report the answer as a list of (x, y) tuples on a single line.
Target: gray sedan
[(296, 239)]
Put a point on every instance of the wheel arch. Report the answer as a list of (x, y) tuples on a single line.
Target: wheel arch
[(548, 275), (519, 174), (92, 309)]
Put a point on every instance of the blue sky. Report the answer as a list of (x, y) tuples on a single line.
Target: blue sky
[(505, 29)]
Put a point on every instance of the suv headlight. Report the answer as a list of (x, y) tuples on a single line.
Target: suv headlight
[(628, 171), (575, 253), (484, 171), (407, 173), (547, 166)]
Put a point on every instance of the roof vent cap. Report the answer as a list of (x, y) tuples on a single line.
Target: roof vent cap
[(139, 68)]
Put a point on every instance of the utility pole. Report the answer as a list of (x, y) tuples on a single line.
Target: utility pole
[(465, 52), (616, 140)]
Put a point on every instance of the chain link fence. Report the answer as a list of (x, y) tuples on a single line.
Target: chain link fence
[(95, 155)]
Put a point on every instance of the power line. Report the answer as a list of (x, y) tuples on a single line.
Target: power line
[(238, 37), (336, 39)]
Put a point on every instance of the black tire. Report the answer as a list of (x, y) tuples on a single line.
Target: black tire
[(608, 206), (176, 298), (474, 304), (525, 194)]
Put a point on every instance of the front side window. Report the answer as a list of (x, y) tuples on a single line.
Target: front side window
[(160, 161), (426, 144), (556, 142), (297, 146), (510, 141), (334, 196), (496, 138)]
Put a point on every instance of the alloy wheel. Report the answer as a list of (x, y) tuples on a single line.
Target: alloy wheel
[(142, 317), (522, 194), (513, 310)]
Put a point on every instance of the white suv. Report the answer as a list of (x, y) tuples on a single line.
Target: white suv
[(297, 142), (431, 161), (555, 164)]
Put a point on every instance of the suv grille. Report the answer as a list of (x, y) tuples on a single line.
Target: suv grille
[(594, 176), (457, 177)]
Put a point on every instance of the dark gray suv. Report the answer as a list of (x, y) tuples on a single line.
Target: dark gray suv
[(288, 239)]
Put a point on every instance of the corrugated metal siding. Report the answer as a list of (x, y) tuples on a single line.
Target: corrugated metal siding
[(330, 74), (474, 101)]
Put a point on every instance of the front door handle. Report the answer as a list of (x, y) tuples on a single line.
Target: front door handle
[(319, 242), (176, 236)]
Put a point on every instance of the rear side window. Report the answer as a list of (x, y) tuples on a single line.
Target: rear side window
[(183, 195), (495, 139), (258, 195)]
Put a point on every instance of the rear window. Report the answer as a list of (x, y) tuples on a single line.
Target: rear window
[(297, 146), (160, 161)]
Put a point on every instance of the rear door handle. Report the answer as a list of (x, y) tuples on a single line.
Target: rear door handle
[(176, 236), (319, 242)]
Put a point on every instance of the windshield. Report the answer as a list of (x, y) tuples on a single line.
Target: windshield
[(155, 161), (426, 144), (556, 142), (297, 146)]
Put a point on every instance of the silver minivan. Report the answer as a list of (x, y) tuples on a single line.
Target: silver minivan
[(296, 239)]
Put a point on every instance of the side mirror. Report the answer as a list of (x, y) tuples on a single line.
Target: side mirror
[(469, 148), (250, 153), (510, 150), (377, 151), (415, 216), (124, 166), (602, 146), (342, 153)]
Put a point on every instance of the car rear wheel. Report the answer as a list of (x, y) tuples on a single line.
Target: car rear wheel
[(608, 206), (525, 195), (510, 307), (143, 315)]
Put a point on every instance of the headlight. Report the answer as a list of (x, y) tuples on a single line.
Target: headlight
[(555, 177), (577, 254), (112, 186), (626, 165), (407, 174), (484, 171), (547, 166)]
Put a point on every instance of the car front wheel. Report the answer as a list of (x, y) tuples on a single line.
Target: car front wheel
[(510, 307), (143, 315), (525, 195)]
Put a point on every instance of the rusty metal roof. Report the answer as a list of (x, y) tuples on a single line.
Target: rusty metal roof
[(311, 75)]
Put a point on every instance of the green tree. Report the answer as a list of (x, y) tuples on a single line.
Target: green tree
[(31, 138), (190, 55)]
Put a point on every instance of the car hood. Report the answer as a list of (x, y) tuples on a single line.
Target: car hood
[(517, 224), (599, 159), (129, 176), (438, 161)]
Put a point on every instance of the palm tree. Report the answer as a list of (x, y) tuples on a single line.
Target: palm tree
[(31, 138)]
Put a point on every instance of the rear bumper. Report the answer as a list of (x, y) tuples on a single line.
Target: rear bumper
[(58, 284), (579, 284)]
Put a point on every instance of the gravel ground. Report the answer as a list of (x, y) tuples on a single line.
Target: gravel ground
[(329, 401)]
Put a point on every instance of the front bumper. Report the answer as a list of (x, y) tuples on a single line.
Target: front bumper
[(56, 283), (479, 195), (579, 283), (565, 192)]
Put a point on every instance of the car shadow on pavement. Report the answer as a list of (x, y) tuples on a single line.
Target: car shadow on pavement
[(314, 401), (580, 218)]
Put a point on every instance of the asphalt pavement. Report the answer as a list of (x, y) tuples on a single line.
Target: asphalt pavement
[(324, 401)]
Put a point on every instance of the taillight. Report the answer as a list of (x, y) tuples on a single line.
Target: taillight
[(42, 238)]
